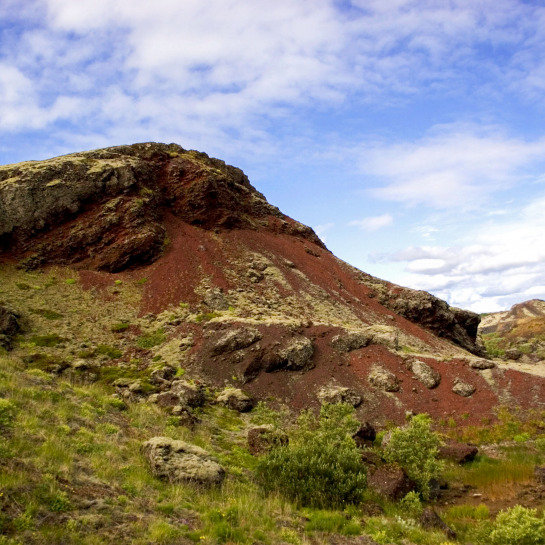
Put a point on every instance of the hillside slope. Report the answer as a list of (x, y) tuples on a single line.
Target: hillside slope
[(175, 259)]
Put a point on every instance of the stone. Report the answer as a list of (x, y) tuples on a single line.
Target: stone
[(482, 364), (177, 461), (263, 439), (428, 376), (384, 379), (390, 481), (349, 341), (295, 355), (215, 299), (462, 388), (189, 394), (166, 399), (236, 339), (339, 394), (430, 520), (365, 435), (163, 375), (9, 327), (236, 399), (460, 453)]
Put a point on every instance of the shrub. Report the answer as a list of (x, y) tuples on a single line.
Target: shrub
[(321, 466), (151, 340), (415, 447), (7, 414), (411, 506), (518, 526)]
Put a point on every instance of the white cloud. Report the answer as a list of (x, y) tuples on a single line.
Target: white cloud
[(503, 264), (373, 223)]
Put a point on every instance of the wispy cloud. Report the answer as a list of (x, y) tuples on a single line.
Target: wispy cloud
[(454, 166), (373, 223)]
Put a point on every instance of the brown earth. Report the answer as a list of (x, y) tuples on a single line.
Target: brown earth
[(197, 234)]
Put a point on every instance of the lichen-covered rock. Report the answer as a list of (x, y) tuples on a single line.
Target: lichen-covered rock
[(236, 399), (462, 388), (162, 376), (177, 461), (427, 375), (351, 340), (339, 394), (9, 327), (390, 481), (294, 355), (264, 438), (384, 379), (215, 299), (482, 364), (189, 394), (236, 339)]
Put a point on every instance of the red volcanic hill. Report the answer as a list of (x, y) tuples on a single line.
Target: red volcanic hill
[(236, 292)]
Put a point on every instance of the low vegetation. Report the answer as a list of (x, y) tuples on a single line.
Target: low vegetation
[(72, 471)]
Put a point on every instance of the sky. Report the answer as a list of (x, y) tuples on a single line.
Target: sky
[(409, 134)]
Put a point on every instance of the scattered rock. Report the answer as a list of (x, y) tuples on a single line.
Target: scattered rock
[(431, 520), (214, 299), (350, 341), (513, 354), (339, 394), (482, 364), (458, 452), (177, 461), (9, 327), (236, 339), (383, 379), (163, 376), (365, 435), (236, 399), (263, 438), (165, 399), (390, 481), (428, 376), (189, 394), (462, 388), (295, 355)]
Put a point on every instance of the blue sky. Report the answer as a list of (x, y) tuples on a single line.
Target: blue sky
[(408, 134)]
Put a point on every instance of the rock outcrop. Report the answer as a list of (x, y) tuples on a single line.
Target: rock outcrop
[(108, 207), (9, 327)]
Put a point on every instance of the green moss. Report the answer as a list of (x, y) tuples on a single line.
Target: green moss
[(118, 328), (46, 340), (47, 313), (151, 339), (110, 351)]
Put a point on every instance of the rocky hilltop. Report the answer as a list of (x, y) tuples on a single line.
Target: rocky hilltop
[(175, 262), (517, 334)]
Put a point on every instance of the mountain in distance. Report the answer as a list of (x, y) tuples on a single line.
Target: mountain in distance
[(146, 256)]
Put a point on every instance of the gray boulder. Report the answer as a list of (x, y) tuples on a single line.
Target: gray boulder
[(482, 364), (236, 399), (349, 341), (177, 461), (295, 355), (384, 380), (236, 339), (462, 388), (428, 376), (339, 394)]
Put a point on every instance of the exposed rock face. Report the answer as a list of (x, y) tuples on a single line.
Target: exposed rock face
[(295, 355), (365, 435), (9, 327), (390, 481), (339, 394), (459, 326), (178, 461), (428, 376), (120, 196)]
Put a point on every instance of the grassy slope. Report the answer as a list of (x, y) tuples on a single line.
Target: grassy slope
[(71, 470)]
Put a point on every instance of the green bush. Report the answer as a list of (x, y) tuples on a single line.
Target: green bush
[(321, 466), (518, 526), (414, 447), (152, 339)]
